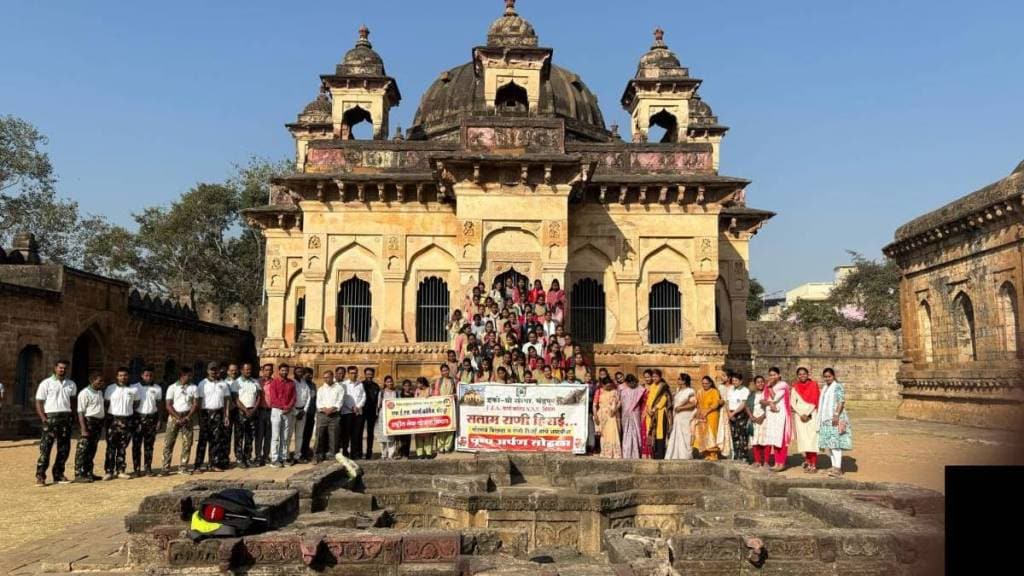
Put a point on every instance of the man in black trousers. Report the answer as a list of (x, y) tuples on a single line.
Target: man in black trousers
[(372, 391)]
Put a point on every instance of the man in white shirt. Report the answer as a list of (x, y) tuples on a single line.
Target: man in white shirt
[(352, 415), (148, 396), (329, 399), (214, 396), (304, 404), (247, 392), (53, 405), (91, 414), (182, 404), (533, 343), (120, 397)]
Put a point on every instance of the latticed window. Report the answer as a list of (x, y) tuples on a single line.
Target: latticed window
[(432, 309), (354, 305), (665, 326), (587, 312)]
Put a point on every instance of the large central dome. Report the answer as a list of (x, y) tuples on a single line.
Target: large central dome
[(459, 92)]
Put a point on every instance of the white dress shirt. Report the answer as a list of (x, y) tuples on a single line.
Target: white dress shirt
[(355, 397), (122, 400), (90, 403), (213, 394), (56, 394), (332, 396), (302, 395), (148, 396)]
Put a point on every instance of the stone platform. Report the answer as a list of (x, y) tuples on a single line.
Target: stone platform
[(536, 515)]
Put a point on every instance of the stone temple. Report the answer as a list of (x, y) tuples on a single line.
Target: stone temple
[(509, 170)]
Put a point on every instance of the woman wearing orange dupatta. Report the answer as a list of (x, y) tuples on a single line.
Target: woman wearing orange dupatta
[(705, 422)]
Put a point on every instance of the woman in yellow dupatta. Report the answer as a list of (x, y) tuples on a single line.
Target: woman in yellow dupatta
[(705, 422)]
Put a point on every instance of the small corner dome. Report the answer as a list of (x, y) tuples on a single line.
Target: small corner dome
[(362, 60)]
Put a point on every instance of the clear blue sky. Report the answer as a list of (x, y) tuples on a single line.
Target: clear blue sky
[(850, 117)]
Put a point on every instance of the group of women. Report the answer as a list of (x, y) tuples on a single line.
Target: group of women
[(756, 422)]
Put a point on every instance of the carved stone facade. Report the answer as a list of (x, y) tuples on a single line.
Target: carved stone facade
[(509, 166), (963, 273), (50, 312)]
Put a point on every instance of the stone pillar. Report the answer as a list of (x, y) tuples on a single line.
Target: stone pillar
[(705, 316), (313, 329), (392, 323), (275, 319), (739, 344), (629, 317)]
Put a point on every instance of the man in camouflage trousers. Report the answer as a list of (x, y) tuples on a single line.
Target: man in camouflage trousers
[(91, 415), (53, 405), (148, 396), (121, 402)]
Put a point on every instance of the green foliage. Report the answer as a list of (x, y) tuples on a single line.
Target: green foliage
[(199, 241), (867, 297), (755, 300)]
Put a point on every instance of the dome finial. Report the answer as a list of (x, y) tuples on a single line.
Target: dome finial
[(659, 38), (510, 7), (364, 36)]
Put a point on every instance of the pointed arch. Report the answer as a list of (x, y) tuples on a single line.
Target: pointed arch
[(924, 329), (963, 322), (723, 311), (512, 98), (1009, 316)]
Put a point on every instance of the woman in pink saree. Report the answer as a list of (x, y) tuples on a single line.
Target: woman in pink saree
[(633, 398), (777, 428)]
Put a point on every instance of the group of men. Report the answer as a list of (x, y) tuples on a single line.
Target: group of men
[(270, 419)]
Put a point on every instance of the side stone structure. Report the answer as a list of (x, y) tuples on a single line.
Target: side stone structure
[(865, 360), (51, 312), (962, 278)]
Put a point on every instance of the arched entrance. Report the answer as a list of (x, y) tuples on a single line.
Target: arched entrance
[(28, 374), (515, 275), (87, 356)]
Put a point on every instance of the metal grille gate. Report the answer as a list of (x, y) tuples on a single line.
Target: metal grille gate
[(432, 309), (354, 304), (665, 319), (587, 312)]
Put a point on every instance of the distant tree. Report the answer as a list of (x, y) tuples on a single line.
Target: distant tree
[(29, 200), (870, 293), (755, 300), (866, 297), (201, 239)]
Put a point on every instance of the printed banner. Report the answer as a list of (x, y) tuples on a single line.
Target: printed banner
[(419, 415), (523, 418)]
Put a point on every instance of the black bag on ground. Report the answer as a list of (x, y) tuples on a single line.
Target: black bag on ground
[(228, 513)]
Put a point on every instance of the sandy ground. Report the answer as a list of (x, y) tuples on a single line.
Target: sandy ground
[(885, 449)]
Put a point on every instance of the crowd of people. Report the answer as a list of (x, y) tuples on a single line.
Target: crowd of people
[(269, 420), (512, 334), (757, 421)]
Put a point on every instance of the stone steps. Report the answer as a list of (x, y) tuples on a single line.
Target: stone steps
[(752, 519), (464, 484)]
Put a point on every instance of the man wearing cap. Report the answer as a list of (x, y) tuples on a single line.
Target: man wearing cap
[(214, 395)]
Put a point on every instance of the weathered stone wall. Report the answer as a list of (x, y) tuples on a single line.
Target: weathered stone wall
[(865, 360), (49, 313), (963, 280)]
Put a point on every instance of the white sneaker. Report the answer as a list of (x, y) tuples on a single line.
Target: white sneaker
[(124, 476)]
